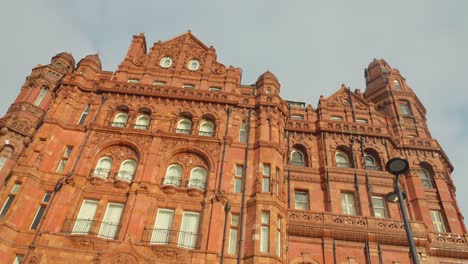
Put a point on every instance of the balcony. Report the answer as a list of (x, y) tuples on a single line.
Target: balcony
[(206, 133), (353, 228), (372, 168), (171, 237), (126, 176), (183, 131), (197, 184), (343, 165), (105, 230), (118, 124), (100, 173), (141, 127), (299, 163), (172, 181)]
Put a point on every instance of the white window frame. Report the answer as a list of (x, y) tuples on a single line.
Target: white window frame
[(301, 204), (110, 229), (189, 238), (84, 115), (125, 174), (200, 182), (266, 179), (348, 203), (233, 234), (117, 123), (161, 234), (438, 221), (426, 179), (40, 97), (379, 208), (90, 220), (168, 178), (142, 122), (100, 171), (238, 178), (265, 232)]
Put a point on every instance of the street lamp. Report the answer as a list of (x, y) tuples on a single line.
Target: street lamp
[(397, 166)]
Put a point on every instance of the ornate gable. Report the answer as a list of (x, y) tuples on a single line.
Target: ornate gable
[(340, 99)]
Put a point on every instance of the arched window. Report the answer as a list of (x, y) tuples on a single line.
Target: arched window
[(127, 170), (41, 96), (197, 178), (120, 120), (103, 168), (425, 179), (184, 126), (297, 158), (405, 109), (397, 85), (173, 175), (370, 163), (142, 122), (206, 128), (342, 160)]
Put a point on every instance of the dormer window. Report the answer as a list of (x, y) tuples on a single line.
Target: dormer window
[(397, 85), (133, 81)]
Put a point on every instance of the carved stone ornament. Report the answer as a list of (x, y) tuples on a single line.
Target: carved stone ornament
[(123, 258), (172, 255), (85, 243)]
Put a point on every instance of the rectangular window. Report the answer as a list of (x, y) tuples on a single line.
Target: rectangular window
[(188, 236), (188, 86), (297, 117), (111, 222), (18, 259), (232, 248), (159, 83), (162, 227), (85, 217), (10, 199), (405, 109), (348, 203), (361, 121), (277, 181), (65, 156), (438, 221), (266, 178), (133, 81), (301, 200), (378, 203), (278, 237), (238, 179), (84, 115), (336, 118), (265, 232), (2, 162), (40, 96), (40, 211), (215, 89), (243, 132)]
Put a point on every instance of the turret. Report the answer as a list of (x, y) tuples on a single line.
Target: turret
[(18, 126), (89, 66), (388, 90), (267, 83)]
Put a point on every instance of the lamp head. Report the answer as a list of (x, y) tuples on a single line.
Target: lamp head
[(397, 166)]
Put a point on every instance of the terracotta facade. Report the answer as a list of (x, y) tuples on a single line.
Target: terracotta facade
[(170, 159)]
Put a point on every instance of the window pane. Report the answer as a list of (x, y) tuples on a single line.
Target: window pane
[(84, 115), (189, 230), (111, 221), (266, 169), (238, 186), (438, 221), (264, 239), (40, 96), (2, 162), (15, 188), (243, 133), (405, 109), (278, 243), (162, 226), (46, 197), (38, 217), (6, 206), (85, 217), (239, 169), (232, 249), (266, 185), (301, 200), (379, 208), (235, 220), (347, 203), (18, 259), (265, 219)]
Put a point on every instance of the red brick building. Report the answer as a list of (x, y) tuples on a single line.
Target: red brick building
[(170, 159)]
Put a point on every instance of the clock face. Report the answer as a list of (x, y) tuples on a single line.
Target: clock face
[(193, 65), (165, 62)]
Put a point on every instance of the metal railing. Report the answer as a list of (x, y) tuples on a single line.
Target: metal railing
[(125, 175), (142, 127), (372, 167), (206, 133), (78, 226), (196, 183), (118, 124), (343, 165), (183, 131), (101, 173), (298, 163), (172, 180), (171, 237)]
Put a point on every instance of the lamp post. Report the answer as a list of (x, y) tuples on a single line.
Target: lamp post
[(397, 166)]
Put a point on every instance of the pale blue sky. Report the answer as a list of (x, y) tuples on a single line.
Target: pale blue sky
[(311, 46)]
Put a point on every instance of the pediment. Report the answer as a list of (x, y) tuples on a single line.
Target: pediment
[(340, 99)]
